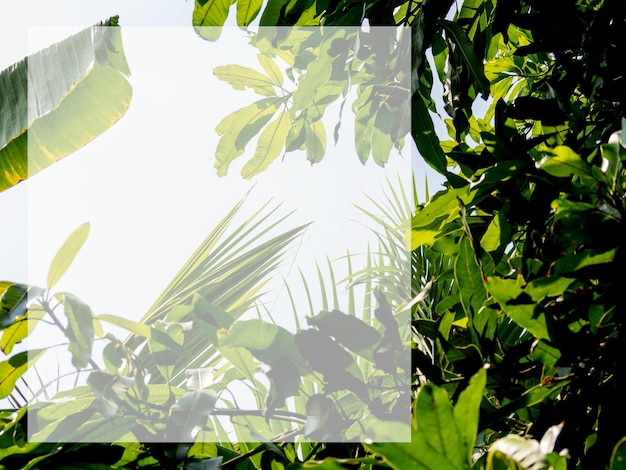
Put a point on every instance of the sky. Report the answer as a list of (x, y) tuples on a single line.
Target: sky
[(147, 185)]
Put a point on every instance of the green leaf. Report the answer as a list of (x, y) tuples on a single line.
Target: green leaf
[(423, 132), (20, 329), (381, 135), (267, 341), (270, 67), (189, 415), (545, 353), (247, 10), (315, 141), (14, 367), (506, 293), (136, 328), (271, 142), (209, 17), (240, 78), (241, 359), (428, 220), (435, 443), (14, 299), (284, 382), (497, 234), (338, 366), (109, 390), (618, 457), (351, 332), (238, 128), (364, 124), (469, 277), (81, 90), (562, 161), (66, 254), (435, 417), (467, 411), (472, 62), (318, 72), (79, 329), (572, 263)]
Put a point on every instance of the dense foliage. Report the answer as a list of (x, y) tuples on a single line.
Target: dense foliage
[(515, 300)]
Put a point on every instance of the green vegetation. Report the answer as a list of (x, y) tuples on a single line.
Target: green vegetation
[(516, 315)]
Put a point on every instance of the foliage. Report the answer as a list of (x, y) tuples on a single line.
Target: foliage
[(49, 109), (521, 250)]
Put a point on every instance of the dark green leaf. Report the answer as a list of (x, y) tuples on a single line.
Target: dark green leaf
[(348, 330), (618, 458), (423, 132)]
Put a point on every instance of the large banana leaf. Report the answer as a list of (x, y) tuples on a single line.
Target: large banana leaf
[(55, 101)]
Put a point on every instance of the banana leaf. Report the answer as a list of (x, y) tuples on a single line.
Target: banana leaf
[(55, 101)]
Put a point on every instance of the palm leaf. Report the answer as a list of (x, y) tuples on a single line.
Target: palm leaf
[(228, 270)]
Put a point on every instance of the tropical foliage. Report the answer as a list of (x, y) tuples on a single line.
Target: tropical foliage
[(50, 108), (515, 306)]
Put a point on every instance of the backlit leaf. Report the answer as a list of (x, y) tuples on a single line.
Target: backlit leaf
[(562, 161), (238, 128), (66, 254), (270, 67), (209, 17), (240, 78), (315, 141), (470, 59), (271, 142), (80, 89), (14, 367), (13, 301)]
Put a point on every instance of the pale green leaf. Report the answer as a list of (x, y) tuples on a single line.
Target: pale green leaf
[(20, 329), (271, 69), (14, 299), (315, 141), (209, 17), (134, 327), (240, 78), (247, 10), (238, 128), (14, 367), (61, 98), (66, 254), (271, 142)]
